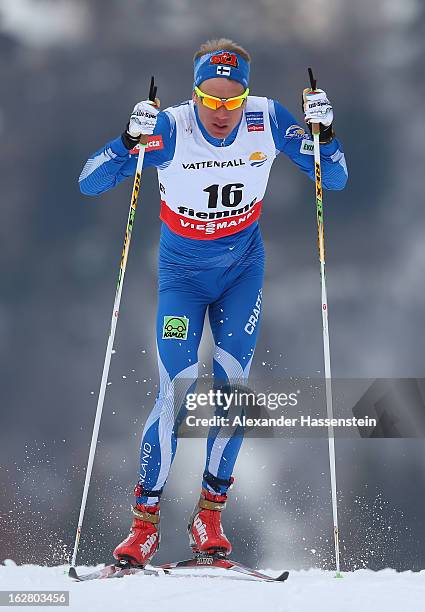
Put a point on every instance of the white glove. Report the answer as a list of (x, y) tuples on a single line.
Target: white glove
[(143, 119), (317, 107)]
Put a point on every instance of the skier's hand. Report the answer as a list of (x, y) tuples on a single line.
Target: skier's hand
[(143, 119), (142, 122), (317, 108)]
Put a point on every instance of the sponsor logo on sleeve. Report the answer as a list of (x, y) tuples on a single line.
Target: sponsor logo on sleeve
[(154, 143), (255, 121), (307, 147), (295, 131), (175, 327)]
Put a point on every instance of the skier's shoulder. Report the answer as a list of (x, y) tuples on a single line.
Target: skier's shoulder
[(280, 117), (287, 131), (256, 113), (181, 109), (178, 114), (256, 103), (166, 119)]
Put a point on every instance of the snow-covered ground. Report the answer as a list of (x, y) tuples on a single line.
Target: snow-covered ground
[(305, 591)]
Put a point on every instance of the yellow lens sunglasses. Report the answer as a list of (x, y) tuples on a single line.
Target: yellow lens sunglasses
[(215, 103)]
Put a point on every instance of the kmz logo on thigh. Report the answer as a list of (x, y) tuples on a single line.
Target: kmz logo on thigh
[(175, 327)]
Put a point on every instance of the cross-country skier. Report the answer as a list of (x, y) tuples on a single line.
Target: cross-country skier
[(213, 155)]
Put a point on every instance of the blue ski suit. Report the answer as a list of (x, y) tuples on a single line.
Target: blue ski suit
[(223, 276)]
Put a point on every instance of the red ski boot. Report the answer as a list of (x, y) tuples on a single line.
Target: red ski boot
[(206, 534), (143, 540)]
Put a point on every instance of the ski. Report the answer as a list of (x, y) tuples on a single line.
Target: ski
[(210, 561), (200, 562), (113, 571)]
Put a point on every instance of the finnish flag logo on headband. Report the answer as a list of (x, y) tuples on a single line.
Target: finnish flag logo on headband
[(223, 70)]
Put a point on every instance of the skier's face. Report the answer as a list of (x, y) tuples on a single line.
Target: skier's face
[(219, 123)]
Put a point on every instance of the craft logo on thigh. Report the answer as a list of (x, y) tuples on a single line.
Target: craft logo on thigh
[(255, 315), (175, 327)]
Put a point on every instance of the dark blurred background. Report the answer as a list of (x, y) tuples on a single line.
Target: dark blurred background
[(70, 73)]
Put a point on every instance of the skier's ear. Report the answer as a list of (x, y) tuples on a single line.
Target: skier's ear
[(194, 97)]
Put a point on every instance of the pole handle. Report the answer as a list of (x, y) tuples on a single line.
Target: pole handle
[(152, 97), (315, 127), (152, 90), (313, 81)]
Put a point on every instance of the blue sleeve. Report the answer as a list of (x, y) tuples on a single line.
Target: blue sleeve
[(292, 139), (110, 165)]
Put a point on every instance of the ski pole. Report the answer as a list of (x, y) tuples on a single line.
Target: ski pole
[(315, 128), (115, 314)]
